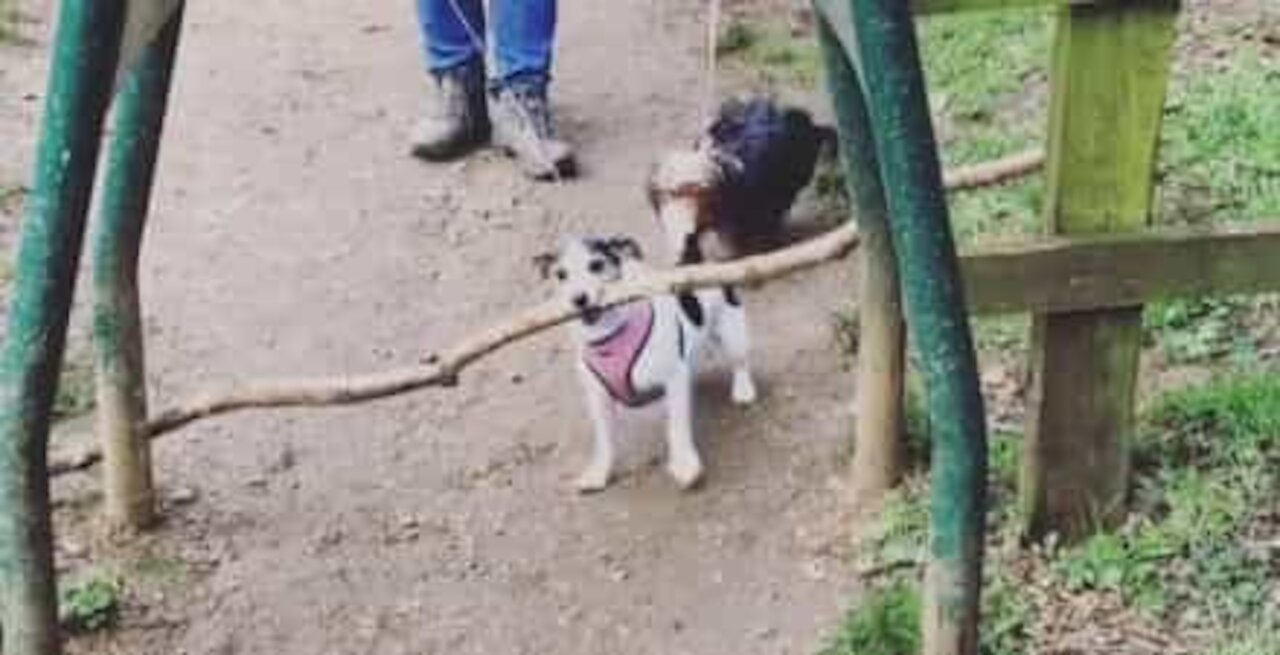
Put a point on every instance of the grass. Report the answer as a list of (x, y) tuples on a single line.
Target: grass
[(1207, 460), (1207, 474), (1189, 330), (887, 623), (987, 75), (1261, 640), (1221, 151), (90, 604), (981, 68)]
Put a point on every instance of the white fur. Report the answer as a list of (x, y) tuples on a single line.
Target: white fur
[(696, 168), (660, 365), (702, 167)]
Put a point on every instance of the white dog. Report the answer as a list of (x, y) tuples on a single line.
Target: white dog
[(635, 354)]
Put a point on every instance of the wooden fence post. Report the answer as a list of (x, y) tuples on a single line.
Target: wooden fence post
[(129, 496), (878, 457), (1109, 75), (86, 47)]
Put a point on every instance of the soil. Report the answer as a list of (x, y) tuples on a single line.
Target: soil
[(291, 234)]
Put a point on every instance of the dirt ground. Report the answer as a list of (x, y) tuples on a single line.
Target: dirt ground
[(291, 234)]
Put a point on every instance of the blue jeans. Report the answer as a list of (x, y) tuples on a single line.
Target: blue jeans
[(524, 35)]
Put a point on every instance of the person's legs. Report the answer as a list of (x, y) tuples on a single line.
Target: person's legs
[(447, 32), (458, 118), (524, 38), (524, 35)]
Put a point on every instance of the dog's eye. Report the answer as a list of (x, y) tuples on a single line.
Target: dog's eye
[(596, 266), (562, 274)]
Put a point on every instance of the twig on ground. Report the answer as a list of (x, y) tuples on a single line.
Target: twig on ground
[(996, 171)]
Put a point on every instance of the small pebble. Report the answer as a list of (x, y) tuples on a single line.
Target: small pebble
[(183, 496)]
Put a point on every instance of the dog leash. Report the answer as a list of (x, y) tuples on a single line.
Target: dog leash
[(712, 65)]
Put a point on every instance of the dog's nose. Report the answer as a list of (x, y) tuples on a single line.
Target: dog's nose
[(580, 301)]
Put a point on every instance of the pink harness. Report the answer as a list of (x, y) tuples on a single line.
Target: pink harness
[(612, 357)]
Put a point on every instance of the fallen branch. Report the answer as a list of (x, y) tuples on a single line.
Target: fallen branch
[(442, 368), (993, 172)]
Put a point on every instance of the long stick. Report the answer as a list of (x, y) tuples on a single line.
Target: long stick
[(992, 172), (442, 369)]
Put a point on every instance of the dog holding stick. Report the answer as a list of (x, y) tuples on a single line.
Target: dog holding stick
[(643, 352)]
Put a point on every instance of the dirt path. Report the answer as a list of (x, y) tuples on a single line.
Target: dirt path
[(292, 234)]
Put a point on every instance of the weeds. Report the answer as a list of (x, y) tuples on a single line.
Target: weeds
[(887, 623), (1007, 616), (1260, 640), (1206, 472), (90, 605), (1190, 330), (846, 331), (1221, 153), (1207, 460), (75, 395)]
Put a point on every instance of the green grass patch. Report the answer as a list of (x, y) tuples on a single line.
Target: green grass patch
[(1220, 426), (1207, 471), (1260, 640), (1207, 467), (981, 69), (1221, 151), (886, 623), (90, 604), (975, 62), (1196, 329)]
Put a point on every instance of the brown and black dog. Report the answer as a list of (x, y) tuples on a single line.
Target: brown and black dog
[(729, 195)]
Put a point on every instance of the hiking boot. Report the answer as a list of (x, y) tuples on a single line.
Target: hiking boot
[(522, 127), (457, 118)]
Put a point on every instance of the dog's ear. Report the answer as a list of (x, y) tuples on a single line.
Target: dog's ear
[(544, 262), (625, 247)]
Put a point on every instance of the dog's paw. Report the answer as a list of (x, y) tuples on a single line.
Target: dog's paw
[(595, 478), (687, 472), (744, 389)]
